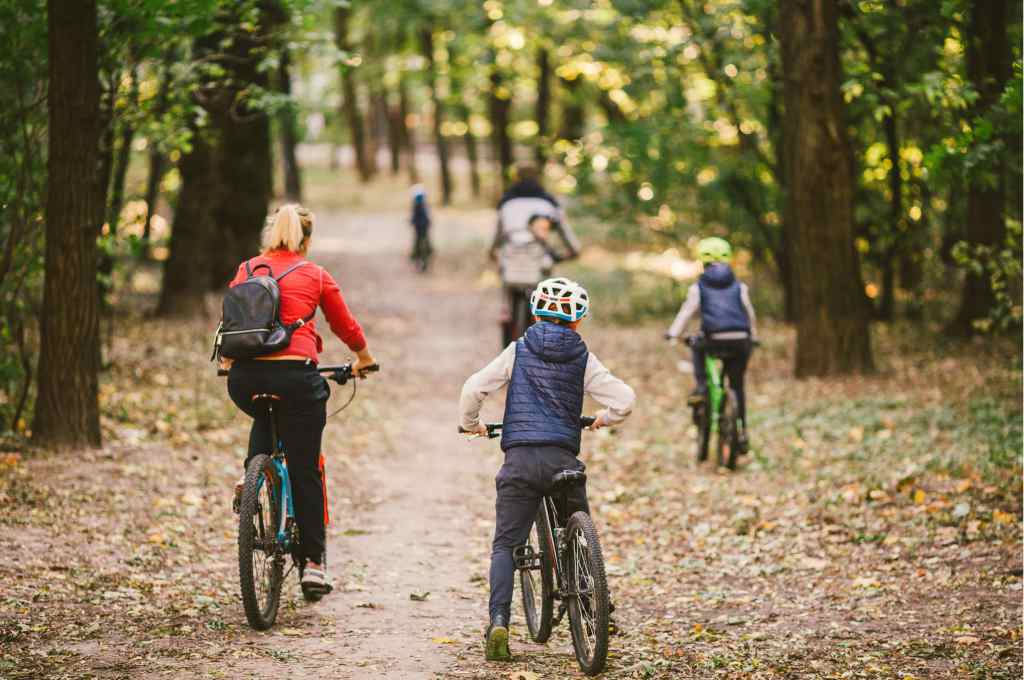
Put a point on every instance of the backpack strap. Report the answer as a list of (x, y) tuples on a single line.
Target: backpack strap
[(290, 270), (249, 269)]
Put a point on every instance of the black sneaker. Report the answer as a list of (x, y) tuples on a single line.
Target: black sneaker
[(743, 444), (496, 646)]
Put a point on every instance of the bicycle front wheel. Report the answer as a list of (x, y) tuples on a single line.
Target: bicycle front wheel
[(537, 584), (260, 561), (587, 594)]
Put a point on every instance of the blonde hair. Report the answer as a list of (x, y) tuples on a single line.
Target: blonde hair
[(288, 228)]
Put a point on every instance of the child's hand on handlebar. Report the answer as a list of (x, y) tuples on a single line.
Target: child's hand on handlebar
[(598, 423), (364, 360), (479, 431)]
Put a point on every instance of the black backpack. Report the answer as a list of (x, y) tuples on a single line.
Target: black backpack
[(251, 325)]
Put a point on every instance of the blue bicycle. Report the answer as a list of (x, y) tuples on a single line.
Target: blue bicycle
[(267, 531)]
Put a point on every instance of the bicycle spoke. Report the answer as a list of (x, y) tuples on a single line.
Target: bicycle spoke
[(583, 585)]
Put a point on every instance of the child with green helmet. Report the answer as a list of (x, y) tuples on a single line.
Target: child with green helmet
[(728, 323)]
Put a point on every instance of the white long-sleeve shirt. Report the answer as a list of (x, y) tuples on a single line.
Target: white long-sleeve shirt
[(691, 306), (598, 382)]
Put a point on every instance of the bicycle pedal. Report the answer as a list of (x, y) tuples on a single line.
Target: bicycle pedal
[(525, 557)]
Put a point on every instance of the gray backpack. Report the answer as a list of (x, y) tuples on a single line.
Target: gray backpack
[(250, 324)]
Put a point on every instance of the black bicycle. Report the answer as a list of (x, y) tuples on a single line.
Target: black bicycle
[(562, 562), (267, 531)]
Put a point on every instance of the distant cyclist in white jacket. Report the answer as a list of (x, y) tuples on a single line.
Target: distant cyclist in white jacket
[(527, 216)]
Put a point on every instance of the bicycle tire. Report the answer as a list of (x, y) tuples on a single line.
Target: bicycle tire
[(728, 436), (539, 622), (256, 527), (702, 418), (593, 657)]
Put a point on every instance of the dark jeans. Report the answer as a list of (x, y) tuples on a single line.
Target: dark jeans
[(421, 245), (301, 415), (521, 483), (735, 354)]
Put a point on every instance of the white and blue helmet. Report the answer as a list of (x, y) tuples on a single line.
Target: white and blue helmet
[(560, 298)]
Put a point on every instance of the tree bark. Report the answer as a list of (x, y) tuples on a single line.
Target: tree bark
[(543, 111), (124, 155), (499, 106), (349, 103), (195, 232), (408, 134), (574, 115), (245, 159), (832, 320), (427, 50), (67, 401), (988, 68), (394, 132), (289, 132), (157, 161)]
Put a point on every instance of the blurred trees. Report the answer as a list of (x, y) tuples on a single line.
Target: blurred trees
[(666, 119)]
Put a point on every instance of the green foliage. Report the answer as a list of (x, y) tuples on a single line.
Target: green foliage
[(1002, 268), (22, 178)]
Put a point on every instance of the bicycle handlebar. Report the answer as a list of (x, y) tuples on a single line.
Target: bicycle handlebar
[(494, 429), (339, 373)]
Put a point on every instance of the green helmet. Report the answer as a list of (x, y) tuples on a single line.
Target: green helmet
[(714, 249)]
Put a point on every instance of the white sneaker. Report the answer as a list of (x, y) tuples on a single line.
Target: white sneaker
[(315, 581)]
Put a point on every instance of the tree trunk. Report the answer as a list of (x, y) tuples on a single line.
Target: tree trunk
[(574, 116), (395, 124), (499, 106), (245, 160), (988, 68), (427, 49), (193, 234), (157, 161), (408, 134), (349, 103), (289, 132), (67, 401), (832, 325), (124, 155), (543, 103)]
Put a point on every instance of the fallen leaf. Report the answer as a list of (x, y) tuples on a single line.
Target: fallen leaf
[(366, 605), (291, 631), (919, 496), (866, 582), (963, 485), (1000, 517), (967, 640), (523, 675), (815, 563), (443, 641), (419, 597), (961, 510)]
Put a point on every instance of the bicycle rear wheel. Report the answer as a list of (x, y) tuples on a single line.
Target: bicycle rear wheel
[(260, 561), (587, 594), (728, 434), (702, 419), (537, 584)]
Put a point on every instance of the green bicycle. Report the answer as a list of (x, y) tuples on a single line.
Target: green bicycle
[(718, 413)]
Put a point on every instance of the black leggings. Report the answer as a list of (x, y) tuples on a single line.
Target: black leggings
[(734, 354), (301, 415)]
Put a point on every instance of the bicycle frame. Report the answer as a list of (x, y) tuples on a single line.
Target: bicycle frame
[(551, 514), (287, 505), (716, 389)]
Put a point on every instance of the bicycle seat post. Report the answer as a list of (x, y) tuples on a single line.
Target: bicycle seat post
[(268, 401)]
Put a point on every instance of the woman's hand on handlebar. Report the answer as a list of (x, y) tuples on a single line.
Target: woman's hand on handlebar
[(364, 360)]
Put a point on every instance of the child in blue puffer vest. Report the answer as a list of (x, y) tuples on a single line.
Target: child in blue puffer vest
[(727, 321), (548, 371)]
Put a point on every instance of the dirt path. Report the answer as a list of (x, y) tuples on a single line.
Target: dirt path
[(413, 534)]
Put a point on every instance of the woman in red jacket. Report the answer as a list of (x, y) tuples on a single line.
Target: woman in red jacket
[(291, 374)]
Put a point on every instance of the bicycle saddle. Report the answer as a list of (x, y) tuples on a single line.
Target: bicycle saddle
[(567, 478)]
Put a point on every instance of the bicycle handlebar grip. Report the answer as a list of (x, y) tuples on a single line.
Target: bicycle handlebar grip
[(587, 421)]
